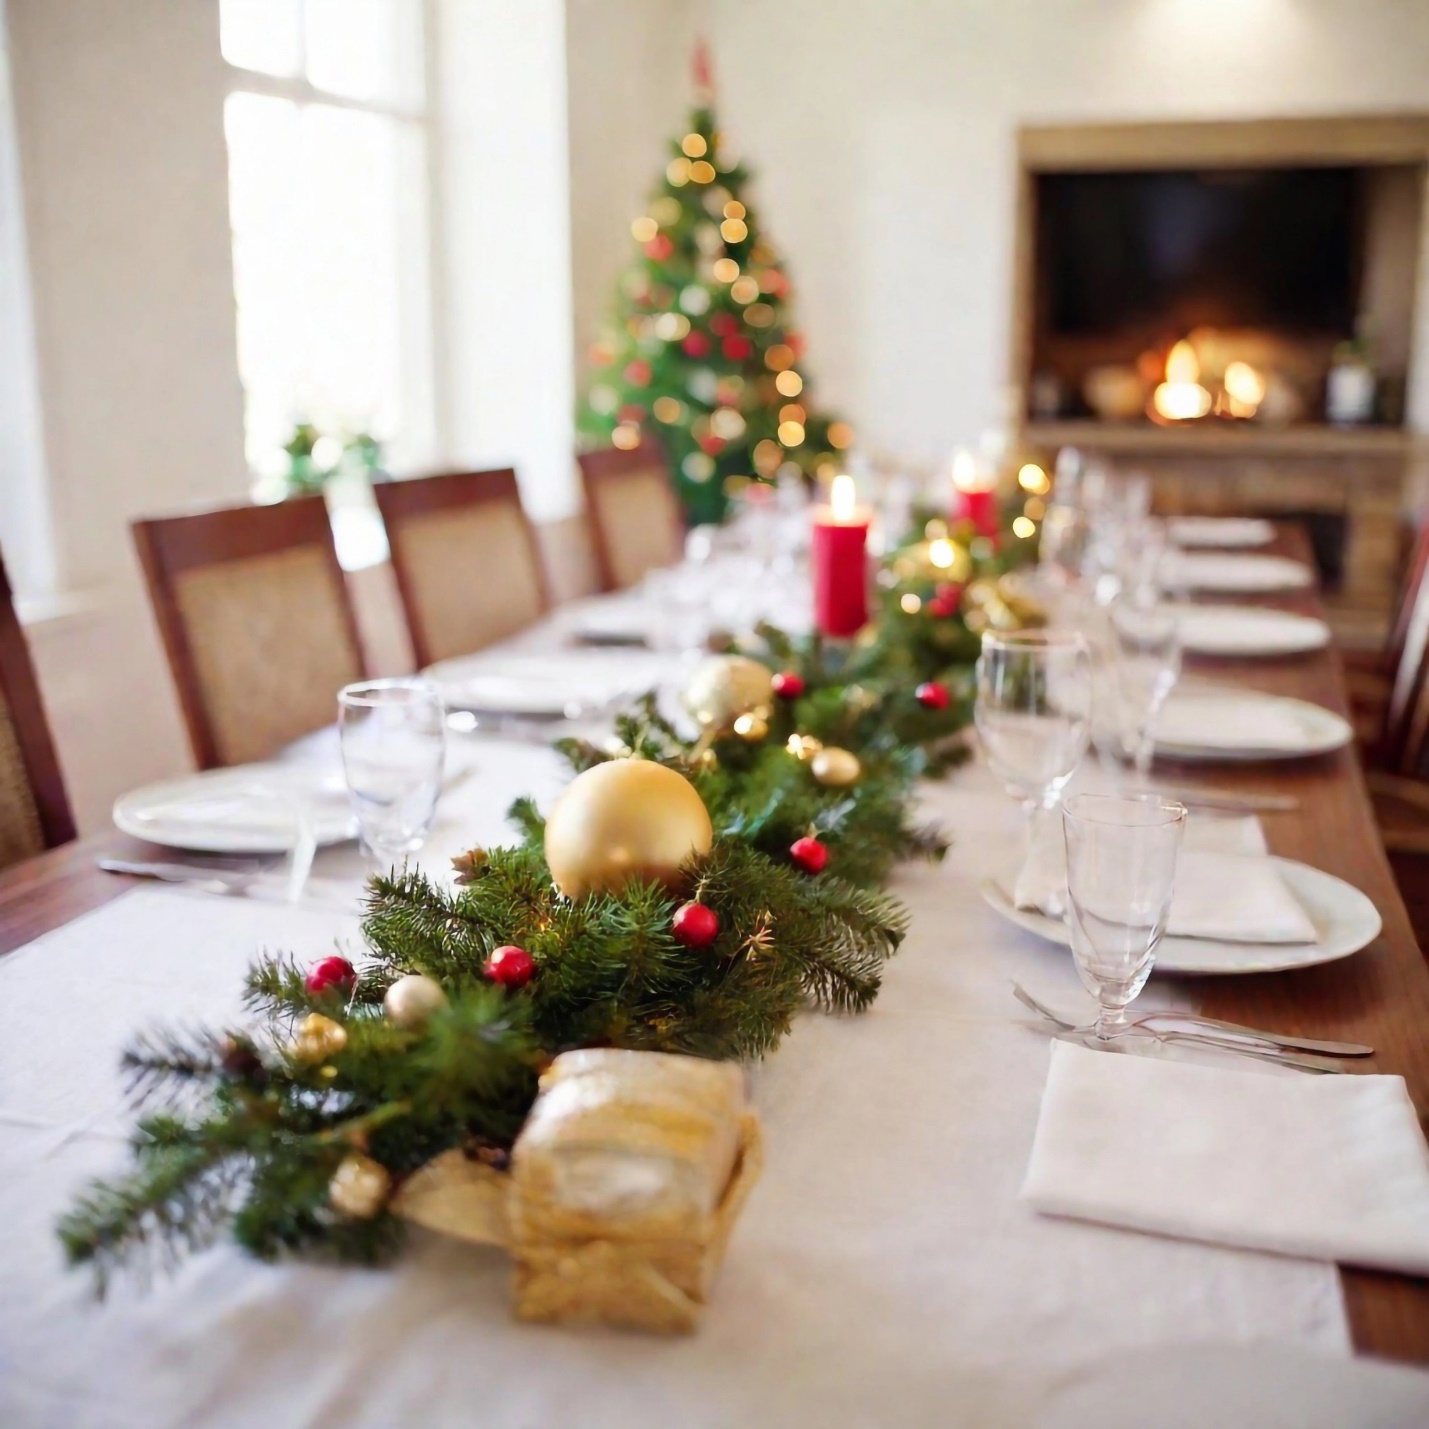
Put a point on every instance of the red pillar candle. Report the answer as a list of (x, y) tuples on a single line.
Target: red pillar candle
[(975, 496), (840, 557)]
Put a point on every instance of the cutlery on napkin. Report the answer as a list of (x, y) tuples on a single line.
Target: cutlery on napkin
[(1326, 1168), (1227, 888)]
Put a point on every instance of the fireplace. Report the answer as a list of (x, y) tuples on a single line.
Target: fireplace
[(1229, 306)]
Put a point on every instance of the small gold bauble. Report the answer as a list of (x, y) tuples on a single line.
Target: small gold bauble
[(625, 820), (835, 768), (319, 1038), (752, 727), (803, 746), (411, 1000), (359, 1187), (725, 687)]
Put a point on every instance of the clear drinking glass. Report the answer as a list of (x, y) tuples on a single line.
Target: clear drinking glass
[(1121, 871), (1033, 710), (393, 735), (1144, 632)]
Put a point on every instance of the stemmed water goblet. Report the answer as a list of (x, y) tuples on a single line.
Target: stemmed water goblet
[(393, 737), (1122, 852), (1144, 636)]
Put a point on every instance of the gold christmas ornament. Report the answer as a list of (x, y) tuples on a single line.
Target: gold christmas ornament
[(752, 727), (359, 1187), (835, 768), (411, 1000), (319, 1038), (803, 746), (624, 820), (726, 686)]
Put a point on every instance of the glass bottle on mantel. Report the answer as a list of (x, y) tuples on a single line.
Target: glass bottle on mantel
[(1350, 387)]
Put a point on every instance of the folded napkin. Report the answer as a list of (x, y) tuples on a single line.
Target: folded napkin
[(1328, 1168), (1227, 889)]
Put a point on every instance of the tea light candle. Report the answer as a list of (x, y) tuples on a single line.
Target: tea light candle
[(840, 559), (974, 497)]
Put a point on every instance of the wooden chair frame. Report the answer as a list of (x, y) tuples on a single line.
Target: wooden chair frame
[(32, 728), (399, 501), (171, 545), (609, 464)]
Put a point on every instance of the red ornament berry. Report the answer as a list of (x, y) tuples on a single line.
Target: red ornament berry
[(659, 248), (949, 591), (724, 324), (697, 344), (331, 973), (788, 685), (638, 373), (809, 855), (710, 444), (737, 349), (695, 925), (932, 695), (510, 966)]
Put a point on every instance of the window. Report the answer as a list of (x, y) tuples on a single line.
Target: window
[(327, 145)]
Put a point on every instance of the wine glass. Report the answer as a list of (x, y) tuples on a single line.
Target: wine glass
[(1033, 710), (1121, 871), (1144, 633), (393, 737)]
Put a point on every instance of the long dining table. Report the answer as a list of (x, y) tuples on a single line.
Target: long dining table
[(885, 1268)]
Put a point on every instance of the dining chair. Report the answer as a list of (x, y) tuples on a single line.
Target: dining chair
[(34, 809), (257, 623), (466, 558), (634, 516)]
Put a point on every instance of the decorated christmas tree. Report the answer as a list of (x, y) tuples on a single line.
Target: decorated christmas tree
[(703, 354)]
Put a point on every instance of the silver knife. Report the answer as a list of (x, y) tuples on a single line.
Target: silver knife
[(1301, 1044), (1231, 800)]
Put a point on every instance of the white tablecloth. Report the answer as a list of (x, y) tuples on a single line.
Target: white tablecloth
[(884, 1271)]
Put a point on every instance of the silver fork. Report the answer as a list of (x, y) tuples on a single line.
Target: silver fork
[(1271, 1050), (208, 880)]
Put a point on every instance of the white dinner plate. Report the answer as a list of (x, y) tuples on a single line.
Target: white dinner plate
[(1234, 571), (1246, 630), (1344, 919), (1224, 531), (1209, 722), (565, 685), (246, 809)]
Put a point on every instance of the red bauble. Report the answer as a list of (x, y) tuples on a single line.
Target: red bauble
[(637, 373), (331, 974), (932, 695), (632, 413), (949, 591), (695, 925), (941, 607), (809, 855), (659, 248), (737, 349), (724, 324), (697, 344), (711, 445), (788, 685), (510, 966)]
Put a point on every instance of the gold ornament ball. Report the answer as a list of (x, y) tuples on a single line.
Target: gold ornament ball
[(411, 1000), (752, 727), (727, 686), (359, 1187), (319, 1038), (624, 820), (803, 746), (835, 768)]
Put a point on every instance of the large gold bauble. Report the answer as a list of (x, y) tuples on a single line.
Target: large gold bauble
[(727, 686), (624, 820), (359, 1187), (835, 768)]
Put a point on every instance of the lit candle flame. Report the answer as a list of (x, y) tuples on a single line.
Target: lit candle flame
[(843, 499), (1181, 363), (968, 476), (1245, 388), (1181, 398)]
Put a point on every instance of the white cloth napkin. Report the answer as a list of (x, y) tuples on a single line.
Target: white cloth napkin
[(1329, 1168), (1226, 887)]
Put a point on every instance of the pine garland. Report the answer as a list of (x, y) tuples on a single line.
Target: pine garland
[(245, 1128)]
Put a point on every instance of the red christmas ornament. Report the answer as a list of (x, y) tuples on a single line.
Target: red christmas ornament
[(711, 445), (632, 412), (510, 966), (949, 591), (788, 685), (659, 248), (941, 606), (932, 695), (695, 925), (637, 373), (724, 324), (737, 349), (697, 344), (330, 974), (809, 855)]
